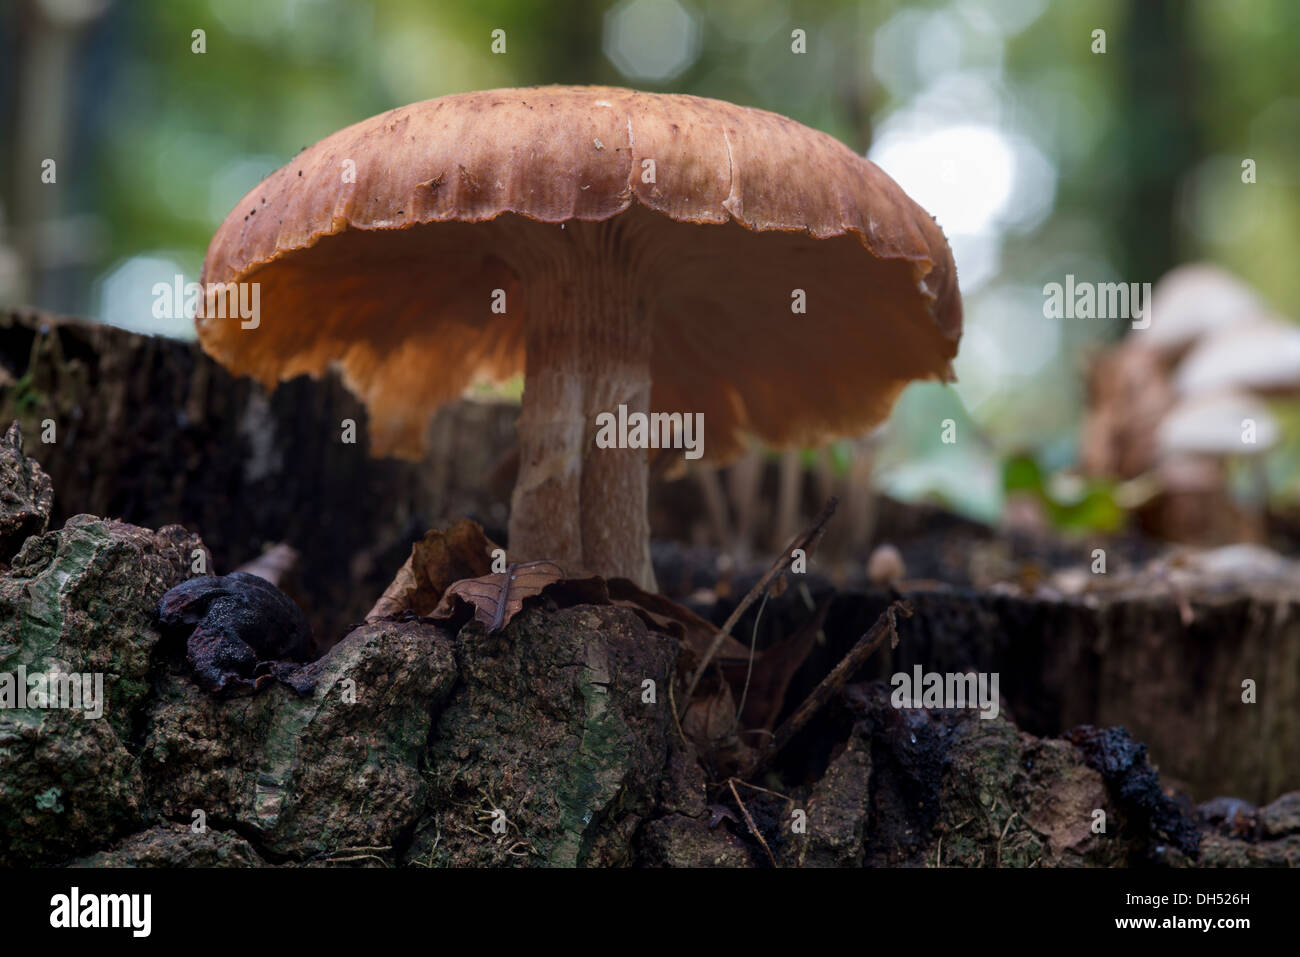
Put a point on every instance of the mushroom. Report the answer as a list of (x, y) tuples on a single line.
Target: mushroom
[(1260, 356), (885, 566), (1213, 424), (645, 249), (1196, 441), (1129, 393), (1257, 357), (1130, 384), (1195, 300)]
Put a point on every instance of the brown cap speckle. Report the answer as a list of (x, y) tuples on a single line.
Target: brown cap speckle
[(744, 207)]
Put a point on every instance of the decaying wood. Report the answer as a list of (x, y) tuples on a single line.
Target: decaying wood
[(149, 430)]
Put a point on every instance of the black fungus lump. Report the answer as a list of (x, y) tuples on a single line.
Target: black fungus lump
[(245, 633), (1122, 763)]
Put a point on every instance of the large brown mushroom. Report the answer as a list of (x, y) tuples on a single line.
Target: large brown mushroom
[(648, 250)]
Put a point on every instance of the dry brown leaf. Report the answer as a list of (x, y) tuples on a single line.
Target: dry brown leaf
[(498, 597), (807, 543), (709, 722), (666, 615), (774, 668), (398, 595), (436, 561)]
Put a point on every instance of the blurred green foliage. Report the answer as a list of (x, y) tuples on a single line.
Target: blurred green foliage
[(1079, 505)]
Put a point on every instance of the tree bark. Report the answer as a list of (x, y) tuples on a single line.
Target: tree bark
[(152, 431)]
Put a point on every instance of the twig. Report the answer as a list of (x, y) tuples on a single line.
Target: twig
[(750, 821), (886, 626), (672, 704), (754, 787), (807, 541), (749, 671)]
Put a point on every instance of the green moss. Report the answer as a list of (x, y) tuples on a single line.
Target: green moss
[(593, 777)]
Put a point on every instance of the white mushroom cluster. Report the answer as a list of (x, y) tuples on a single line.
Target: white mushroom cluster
[(1177, 402), (1227, 354)]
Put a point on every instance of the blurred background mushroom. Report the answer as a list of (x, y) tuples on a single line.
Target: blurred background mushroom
[(1193, 301), (1130, 384), (1169, 408), (1197, 442), (1260, 355)]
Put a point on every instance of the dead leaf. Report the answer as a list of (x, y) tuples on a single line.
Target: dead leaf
[(498, 597), (436, 561), (709, 723), (807, 543), (666, 615), (774, 668)]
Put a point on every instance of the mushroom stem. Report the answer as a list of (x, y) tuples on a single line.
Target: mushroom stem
[(588, 352)]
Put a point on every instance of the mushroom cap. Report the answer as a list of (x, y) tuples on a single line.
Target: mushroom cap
[(1211, 424), (389, 276), (1192, 300), (1258, 355)]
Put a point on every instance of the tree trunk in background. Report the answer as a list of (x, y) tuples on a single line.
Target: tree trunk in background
[(570, 46), (1159, 131)]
